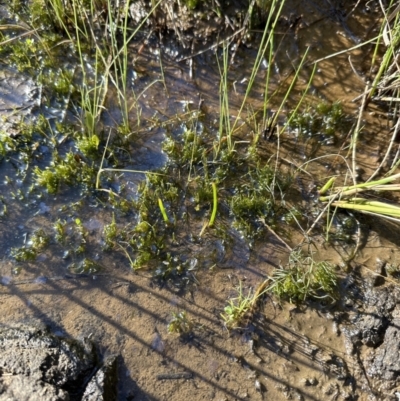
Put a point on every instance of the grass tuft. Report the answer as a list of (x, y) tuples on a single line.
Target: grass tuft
[(304, 279)]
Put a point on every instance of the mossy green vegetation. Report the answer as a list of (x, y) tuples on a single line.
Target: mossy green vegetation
[(324, 121), (36, 243), (70, 170)]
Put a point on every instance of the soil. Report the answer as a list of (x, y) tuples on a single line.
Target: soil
[(317, 351), (308, 352)]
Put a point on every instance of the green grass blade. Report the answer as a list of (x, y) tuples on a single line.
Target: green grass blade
[(162, 210), (215, 204), (360, 205)]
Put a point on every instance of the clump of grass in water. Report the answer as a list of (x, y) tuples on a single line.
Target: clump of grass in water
[(259, 198), (304, 279), (211, 169), (386, 79)]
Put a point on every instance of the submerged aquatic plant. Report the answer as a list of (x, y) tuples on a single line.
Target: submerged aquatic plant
[(60, 229), (35, 244), (71, 170), (324, 121)]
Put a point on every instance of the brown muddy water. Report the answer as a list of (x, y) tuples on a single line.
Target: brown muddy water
[(294, 352)]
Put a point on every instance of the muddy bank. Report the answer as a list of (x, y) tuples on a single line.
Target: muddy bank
[(313, 352)]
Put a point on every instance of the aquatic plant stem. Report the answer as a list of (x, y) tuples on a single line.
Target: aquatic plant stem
[(162, 210), (214, 210), (361, 204), (378, 185), (348, 50), (392, 140), (102, 161), (215, 205), (224, 120), (266, 40), (357, 130), (101, 169), (327, 186)]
